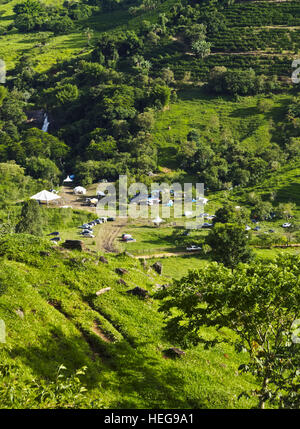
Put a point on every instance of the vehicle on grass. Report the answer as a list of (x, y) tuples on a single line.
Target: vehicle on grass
[(193, 247)]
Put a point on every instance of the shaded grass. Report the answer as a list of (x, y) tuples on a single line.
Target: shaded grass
[(214, 117), (57, 297)]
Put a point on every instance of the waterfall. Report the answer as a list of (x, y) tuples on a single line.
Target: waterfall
[(46, 123)]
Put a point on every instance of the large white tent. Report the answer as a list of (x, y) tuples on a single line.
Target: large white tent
[(45, 196)]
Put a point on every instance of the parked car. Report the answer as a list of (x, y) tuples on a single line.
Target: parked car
[(87, 231), (87, 234), (130, 240), (257, 228), (206, 225), (286, 225), (126, 237), (85, 226), (111, 219), (193, 248)]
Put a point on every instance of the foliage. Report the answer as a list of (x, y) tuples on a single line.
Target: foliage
[(66, 391), (233, 238), (31, 220), (259, 303)]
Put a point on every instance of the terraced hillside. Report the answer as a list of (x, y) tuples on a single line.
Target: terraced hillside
[(260, 35), (263, 35)]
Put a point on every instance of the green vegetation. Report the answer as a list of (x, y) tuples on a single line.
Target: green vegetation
[(259, 303), (53, 317), (160, 91)]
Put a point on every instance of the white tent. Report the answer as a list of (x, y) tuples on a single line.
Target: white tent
[(100, 194), (45, 196), (94, 201), (157, 220), (79, 190), (203, 200), (68, 180)]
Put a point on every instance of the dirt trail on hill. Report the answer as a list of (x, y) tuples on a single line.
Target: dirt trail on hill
[(99, 333), (163, 255), (108, 233)]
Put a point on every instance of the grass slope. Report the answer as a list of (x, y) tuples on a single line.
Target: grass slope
[(117, 336), (215, 118), (14, 44)]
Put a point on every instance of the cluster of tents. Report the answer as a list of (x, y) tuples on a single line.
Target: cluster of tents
[(78, 190), (46, 196)]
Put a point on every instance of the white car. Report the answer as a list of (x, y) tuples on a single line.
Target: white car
[(247, 228), (286, 225), (193, 247)]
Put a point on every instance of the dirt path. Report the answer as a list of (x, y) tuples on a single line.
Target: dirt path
[(164, 255), (108, 233), (68, 198), (100, 334)]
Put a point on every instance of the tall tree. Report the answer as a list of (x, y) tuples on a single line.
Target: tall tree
[(32, 220), (258, 302), (229, 244)]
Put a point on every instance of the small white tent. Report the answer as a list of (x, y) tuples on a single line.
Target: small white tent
[(157, 221), (68, 180), (94, 201), (203, 200), (45, 196), (79, 190)]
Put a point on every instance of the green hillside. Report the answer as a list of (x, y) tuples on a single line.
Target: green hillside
[(53, 317), (161, 91)]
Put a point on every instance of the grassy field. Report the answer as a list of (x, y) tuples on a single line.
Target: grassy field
[(14, 44), (119, 337), (215, 118)]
